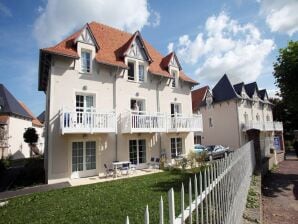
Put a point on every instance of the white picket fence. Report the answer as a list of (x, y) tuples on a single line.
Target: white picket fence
[(220, 192)]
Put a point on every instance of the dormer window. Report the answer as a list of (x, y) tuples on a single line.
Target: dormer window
[(174, 81), (131, 71), (85, 61), (141, 73)]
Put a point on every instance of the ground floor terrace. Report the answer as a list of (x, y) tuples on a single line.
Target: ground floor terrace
[(74, 156)]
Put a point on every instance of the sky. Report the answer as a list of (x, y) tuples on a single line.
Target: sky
[(210, 37)]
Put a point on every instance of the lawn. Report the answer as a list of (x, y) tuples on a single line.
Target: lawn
[(108, 202)]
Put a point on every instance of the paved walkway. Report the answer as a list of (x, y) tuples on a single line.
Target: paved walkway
[(280, 193)]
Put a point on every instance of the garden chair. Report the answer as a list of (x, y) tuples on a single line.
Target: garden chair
[(109, 172), (151, 163), (156, 165)]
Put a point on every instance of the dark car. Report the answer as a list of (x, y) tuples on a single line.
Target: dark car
[(217, 151)]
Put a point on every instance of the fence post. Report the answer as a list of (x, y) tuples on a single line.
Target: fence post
[(182, 204), (206, 198), (127, 220), (147, 215), (201, 197), (161, 211), (190, 200), (196, 196), (171, 206)]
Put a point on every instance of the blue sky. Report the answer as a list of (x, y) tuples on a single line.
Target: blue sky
[(237, 37)]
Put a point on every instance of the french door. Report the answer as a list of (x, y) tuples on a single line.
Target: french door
[(83, 159), (137, 152), (84, 105)]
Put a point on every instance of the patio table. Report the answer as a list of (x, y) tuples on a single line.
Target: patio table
[(120, 163)]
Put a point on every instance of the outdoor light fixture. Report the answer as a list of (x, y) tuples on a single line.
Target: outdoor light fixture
[(85, 88), (137, 94)]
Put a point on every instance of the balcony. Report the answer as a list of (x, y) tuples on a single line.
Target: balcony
[(143, 122), (87, 120), (263, 126), (182, 123)]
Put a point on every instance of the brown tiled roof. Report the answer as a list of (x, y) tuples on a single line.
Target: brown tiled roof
[(3, 119), (112, 44), (197, 97), (35, 121)]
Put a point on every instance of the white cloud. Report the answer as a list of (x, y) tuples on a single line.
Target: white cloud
[(170, 47), (281, 16), (225, 46), (59, 18), (4, 11), (155, 19)]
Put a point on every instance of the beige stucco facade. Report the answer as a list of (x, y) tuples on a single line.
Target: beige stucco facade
[(229, 119), (112, 92)]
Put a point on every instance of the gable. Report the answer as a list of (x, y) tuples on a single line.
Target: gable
[(85, 37), (136, 50), (173, 62)]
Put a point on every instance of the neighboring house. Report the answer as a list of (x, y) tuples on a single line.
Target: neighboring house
[(231, 111), (15, 117), (41, 117), (111, 96)]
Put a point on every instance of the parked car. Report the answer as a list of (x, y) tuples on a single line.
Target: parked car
[(199, 148), (217, 151)]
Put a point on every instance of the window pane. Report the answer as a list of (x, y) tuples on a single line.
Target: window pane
[(77, 156), (133, 151), (141, 73), (85, 61), (142, 151), (90, 155), (173, 147), (131, 71)]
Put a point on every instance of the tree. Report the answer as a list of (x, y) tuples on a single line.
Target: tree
[(286, 78), (31, 137)]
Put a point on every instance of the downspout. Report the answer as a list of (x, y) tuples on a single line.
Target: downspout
[(158, 108), (114, 107)]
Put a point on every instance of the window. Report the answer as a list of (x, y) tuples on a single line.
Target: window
[(84, 103), (83, 156), (210, 122), (197, 139), (175, 109), (176, 147), (131, 71), (141, 73), (174, 81), (137, 151), (137, 105), (85, 61)]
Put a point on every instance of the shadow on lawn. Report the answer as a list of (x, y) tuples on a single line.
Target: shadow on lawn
[(179, 177)]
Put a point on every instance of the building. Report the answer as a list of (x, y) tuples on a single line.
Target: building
[(15, 117), (231, 111), (111, 96)]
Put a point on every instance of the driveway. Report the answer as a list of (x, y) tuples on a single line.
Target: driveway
[(280, 193)]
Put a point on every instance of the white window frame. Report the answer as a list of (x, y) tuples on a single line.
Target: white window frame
[(137, 63), (138, 150), (176, 146), (83, 50)]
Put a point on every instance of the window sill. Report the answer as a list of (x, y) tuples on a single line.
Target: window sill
[(85, 73), (133, 81)]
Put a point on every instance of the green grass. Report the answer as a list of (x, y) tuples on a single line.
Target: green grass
[(253, 197), (108, 202)]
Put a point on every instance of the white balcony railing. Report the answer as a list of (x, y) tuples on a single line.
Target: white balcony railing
[(144, 122), (87, 120), (263, 126), (180, 123)]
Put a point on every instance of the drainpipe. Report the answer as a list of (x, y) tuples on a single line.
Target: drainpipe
[(158, 108), (114, 107)]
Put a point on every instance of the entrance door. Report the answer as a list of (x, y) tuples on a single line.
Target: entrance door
[(83, 159), (137, 152), (175, 109)]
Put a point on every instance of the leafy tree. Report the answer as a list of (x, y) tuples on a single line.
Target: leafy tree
[(286, 76), (31, 137)]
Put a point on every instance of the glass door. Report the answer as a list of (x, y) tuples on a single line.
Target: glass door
[(137, 151), (84, 105), (83, 159)]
